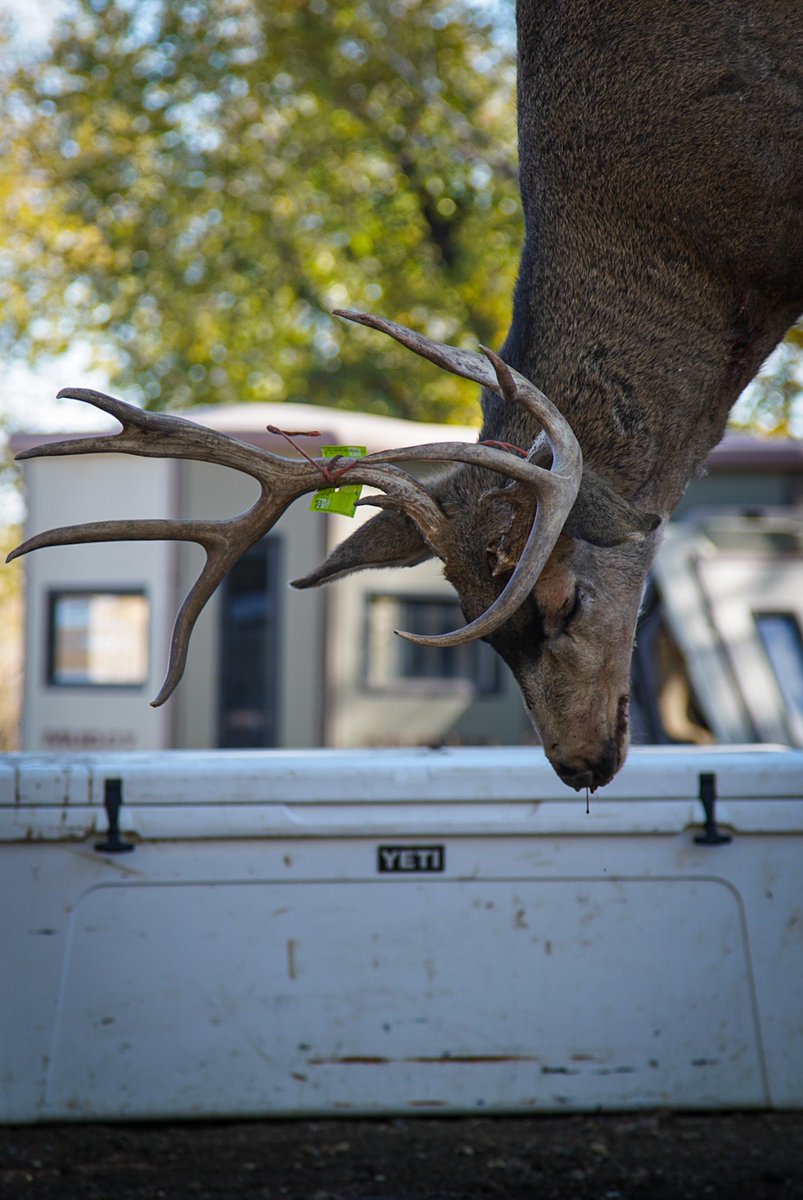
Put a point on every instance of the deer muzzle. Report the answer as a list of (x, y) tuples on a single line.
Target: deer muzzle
[(596, 756)]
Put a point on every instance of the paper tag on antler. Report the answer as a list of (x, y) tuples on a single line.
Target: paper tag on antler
[(341, 500)]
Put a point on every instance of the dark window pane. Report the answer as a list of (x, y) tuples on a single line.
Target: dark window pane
[(249, 645)]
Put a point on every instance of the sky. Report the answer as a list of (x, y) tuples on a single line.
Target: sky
[(28, 402), (28, 396), (33, 19)]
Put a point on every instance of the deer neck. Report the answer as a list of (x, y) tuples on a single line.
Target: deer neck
[(644, 353), (660, 174)]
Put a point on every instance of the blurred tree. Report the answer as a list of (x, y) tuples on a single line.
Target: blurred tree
[(193, 184), (773, 403)]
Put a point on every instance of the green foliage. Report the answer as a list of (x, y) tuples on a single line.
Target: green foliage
[(773, 403), (194, 184)]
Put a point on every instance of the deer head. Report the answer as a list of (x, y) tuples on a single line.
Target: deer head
[(555, 588), (522, 535)]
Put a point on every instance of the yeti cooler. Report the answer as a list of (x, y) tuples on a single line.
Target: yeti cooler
[(398, 931)]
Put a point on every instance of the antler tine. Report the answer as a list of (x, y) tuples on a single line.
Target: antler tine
[(545, 531), (474, 454), (157, 435), (129, 416), (466, 363), (221, 555), (224, 542), (567, 455), (149, 530), (487, 369)]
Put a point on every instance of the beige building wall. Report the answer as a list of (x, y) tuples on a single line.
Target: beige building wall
[(72, 491)]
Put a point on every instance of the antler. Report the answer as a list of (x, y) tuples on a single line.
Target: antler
[(555, 489), (283, 480)]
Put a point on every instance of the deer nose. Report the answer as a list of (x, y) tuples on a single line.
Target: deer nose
[(586, 774), (574, 778)]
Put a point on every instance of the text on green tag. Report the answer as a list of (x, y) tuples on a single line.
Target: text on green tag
[(341, 500)]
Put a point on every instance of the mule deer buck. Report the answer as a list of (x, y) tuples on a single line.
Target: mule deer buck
[(661, 151)]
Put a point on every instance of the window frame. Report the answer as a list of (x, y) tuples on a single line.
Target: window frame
[(54, 595)]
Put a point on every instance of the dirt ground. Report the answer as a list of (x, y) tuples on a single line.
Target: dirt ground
[(643, 1156)]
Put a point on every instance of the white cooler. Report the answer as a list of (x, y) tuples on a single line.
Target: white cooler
[(398, 932)]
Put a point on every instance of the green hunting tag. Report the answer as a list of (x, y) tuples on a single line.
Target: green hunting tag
[(341, 500)]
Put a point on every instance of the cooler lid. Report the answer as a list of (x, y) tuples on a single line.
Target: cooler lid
[(307, 793)]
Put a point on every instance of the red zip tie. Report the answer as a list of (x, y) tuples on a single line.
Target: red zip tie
[(506, 446), (330, 477)]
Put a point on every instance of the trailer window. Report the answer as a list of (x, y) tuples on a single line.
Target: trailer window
[(98, 638), (392, 662)]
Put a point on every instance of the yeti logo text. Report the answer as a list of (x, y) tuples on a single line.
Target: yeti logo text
[(409, 859)]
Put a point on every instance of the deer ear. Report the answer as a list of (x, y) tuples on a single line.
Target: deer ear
[(603, 517), (388, 540)]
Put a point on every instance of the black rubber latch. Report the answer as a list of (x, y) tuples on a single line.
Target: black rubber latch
[(708, 797), (113, 802)]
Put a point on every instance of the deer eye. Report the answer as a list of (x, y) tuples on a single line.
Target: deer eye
[(573, 608)]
